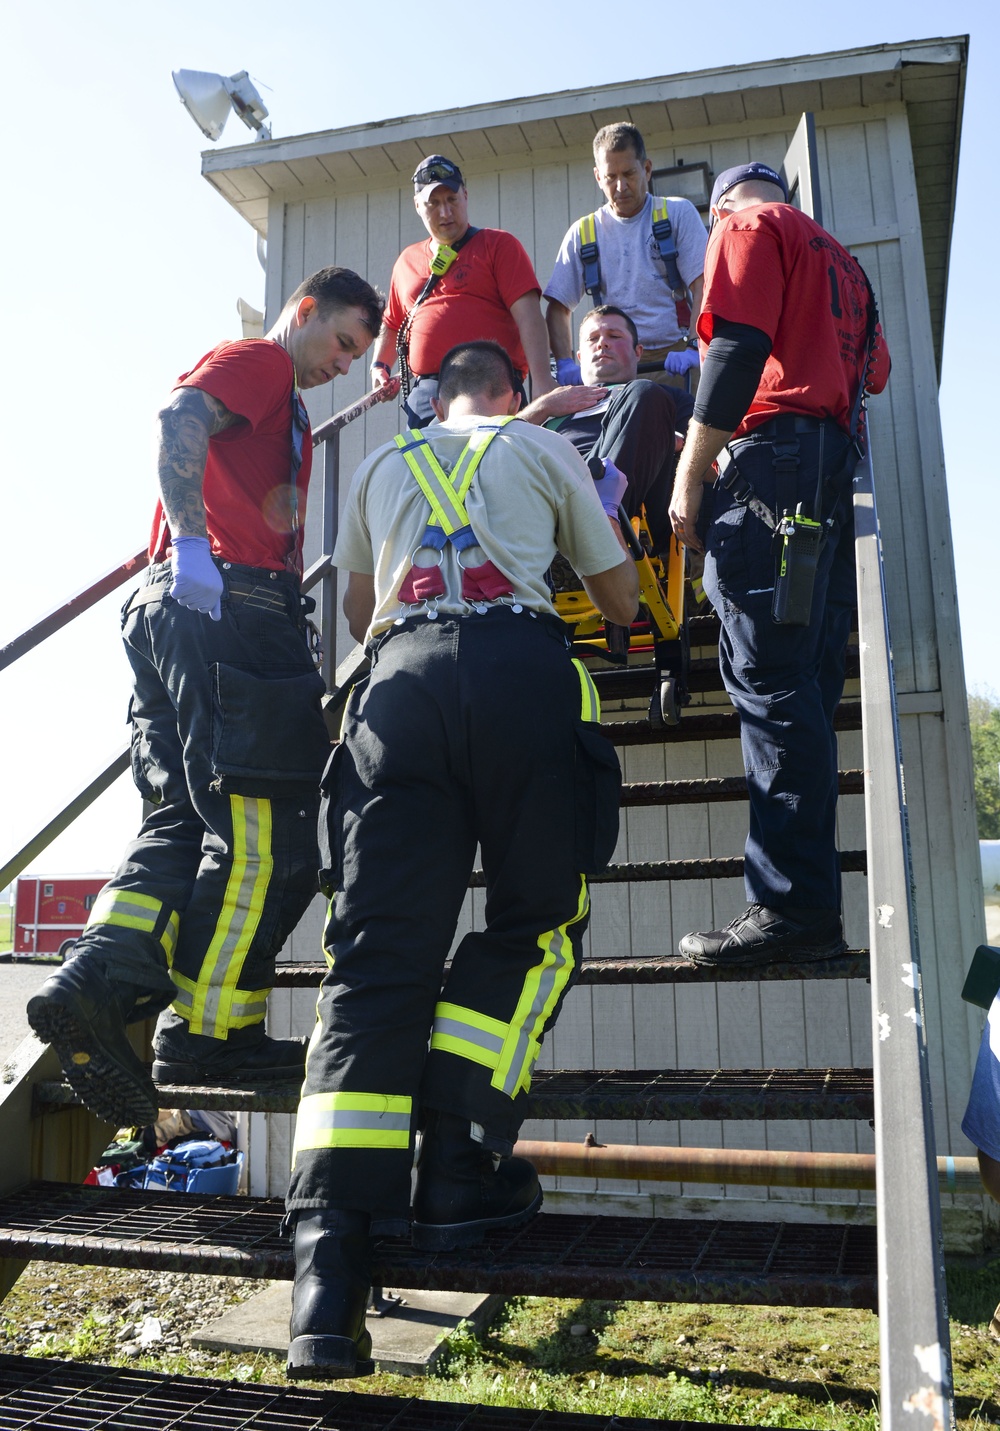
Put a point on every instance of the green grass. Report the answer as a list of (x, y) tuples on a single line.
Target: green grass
[(748, 1366), (6, 927)]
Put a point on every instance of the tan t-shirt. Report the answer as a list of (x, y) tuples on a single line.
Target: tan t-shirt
[(531, 495)]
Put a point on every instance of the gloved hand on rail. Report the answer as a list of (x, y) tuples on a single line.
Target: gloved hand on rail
[(681, 362), (197, 580), (568, 371), (611, 487)]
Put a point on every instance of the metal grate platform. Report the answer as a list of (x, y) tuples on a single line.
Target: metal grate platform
[(636, 1259), (774, 1093), (53, 1395), (852, 964)]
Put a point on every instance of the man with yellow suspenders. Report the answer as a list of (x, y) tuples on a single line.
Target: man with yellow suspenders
[(640, 253), (475, 727)]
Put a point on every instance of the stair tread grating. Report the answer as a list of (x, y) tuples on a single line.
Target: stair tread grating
[(53, 1394), (642, 969), (644, 1094), (555, 1255)]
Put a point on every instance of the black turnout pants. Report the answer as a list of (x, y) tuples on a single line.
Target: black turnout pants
[(474, 730), (228, 743)]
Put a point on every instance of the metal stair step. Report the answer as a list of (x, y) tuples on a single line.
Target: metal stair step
[(712, 867), (715, 724), (35, 1391), (555, 1255), (853, 964), (712, 790), (644, 1094), (622, 683), (748, 1093)]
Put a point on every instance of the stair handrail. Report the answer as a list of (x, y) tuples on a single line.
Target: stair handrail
[(71, 608), (914, 1344)]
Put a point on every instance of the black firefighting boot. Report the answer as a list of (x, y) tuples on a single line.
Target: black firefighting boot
[(82, 1012), (245, 1055), (463, 1191), (327, 1336)]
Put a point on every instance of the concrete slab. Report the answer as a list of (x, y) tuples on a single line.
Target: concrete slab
[(407, 1340)]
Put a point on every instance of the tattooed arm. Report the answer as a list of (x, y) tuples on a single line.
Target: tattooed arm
[(187, 422)]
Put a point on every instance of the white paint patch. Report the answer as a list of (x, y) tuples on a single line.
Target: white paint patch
[(911, 976), (932, 1361), (885, 913), (915, 1017), (883, 1027)]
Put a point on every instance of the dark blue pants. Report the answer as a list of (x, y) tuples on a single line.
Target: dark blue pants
[(785, 681), (469, 730), (228, 744)]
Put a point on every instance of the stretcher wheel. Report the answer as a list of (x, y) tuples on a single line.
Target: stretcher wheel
[(670, 711)]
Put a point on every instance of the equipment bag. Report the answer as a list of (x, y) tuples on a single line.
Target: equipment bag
[(202, 1165)]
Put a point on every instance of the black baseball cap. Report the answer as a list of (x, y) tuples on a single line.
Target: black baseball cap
[(435, 170), (740, 173)]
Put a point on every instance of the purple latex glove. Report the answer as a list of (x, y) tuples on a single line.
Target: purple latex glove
[(568, 372), (611, 488), (682, 362), (197, 581)]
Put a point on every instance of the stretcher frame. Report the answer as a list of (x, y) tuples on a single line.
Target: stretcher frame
[(661, 618)]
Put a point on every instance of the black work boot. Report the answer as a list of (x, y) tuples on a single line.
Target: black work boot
[(327, 1336), (82, 1013), (463, 1191), (248, 1055), (762, 936)]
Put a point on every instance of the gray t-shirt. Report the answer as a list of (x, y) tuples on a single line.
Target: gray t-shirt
[(632, 272), (531, 495)]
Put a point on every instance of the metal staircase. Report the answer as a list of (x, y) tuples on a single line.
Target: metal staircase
[(896, 1267)]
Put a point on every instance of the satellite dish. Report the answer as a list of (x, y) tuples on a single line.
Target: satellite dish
[(208, 98)]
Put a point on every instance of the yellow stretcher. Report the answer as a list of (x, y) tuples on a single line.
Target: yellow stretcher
[(659, 625)]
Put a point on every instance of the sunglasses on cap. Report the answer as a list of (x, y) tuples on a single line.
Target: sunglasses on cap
[(437, 171)]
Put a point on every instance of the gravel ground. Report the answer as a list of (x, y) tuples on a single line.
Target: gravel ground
[(17, 984), (110, 1315)]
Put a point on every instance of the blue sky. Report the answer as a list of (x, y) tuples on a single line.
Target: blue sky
[(120, 265)]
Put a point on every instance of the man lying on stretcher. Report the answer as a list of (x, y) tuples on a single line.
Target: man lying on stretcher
[(637, 424)]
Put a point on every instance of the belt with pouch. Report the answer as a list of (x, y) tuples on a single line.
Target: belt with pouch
[(259, 594)]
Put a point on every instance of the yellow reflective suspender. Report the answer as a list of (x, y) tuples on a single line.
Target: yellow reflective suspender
[(449, 521), (663, 235), (446, 494), (589, 257)]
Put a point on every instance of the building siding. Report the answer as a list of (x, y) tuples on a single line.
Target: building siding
[(870, 202)]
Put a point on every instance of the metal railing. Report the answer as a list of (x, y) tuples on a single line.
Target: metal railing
[(913, 1332)]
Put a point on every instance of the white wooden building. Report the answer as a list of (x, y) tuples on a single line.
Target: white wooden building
[(888, 122)]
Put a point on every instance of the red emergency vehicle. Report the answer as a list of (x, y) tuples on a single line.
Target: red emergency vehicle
[(50, 911)]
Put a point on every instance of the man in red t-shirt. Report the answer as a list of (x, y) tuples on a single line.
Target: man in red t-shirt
[(228, 738), (789, 338), (487, 289)]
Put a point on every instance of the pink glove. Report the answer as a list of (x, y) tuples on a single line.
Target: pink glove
[(197, 582)]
